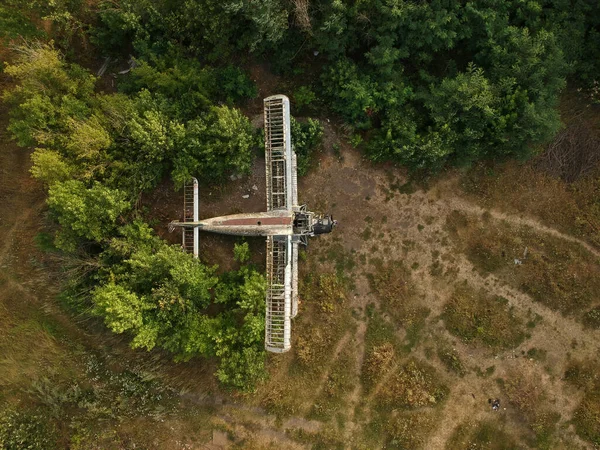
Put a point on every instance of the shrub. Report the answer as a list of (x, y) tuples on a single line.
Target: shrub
[(20, 430), (306, 138)]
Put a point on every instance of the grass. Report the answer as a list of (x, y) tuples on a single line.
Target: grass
[(343, 260), (525, 391), (339, 383), (485, 435), (481, 319), (451, 360), (558, 273), (519, 188), (392, 284), (585, 375)]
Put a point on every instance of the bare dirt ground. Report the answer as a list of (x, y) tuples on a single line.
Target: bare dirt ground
[(376, 222)]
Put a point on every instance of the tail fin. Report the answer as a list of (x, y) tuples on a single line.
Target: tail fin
[(191, 205)]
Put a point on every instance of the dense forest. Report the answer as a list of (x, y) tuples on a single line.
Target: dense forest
[(423, 84)]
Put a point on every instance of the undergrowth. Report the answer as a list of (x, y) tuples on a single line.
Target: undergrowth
[(479, 318), (486, 435), (585, 375)]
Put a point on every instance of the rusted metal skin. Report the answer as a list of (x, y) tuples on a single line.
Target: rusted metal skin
[(270, 223)]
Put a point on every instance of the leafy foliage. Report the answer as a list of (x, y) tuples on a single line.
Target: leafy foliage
[(306, 138), (26, 430), (85, 213), (162, 297), (96, 153), (218, 143)]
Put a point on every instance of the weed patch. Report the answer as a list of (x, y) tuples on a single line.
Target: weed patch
[(392, 284), (27, 430), (452, 361), (478, 318), (591, 318), (481, 436), (414, 384)]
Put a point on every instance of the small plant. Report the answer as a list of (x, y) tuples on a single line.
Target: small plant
[(356, 140), (451, 359), (592, 318), (336, 148), (241, 252), (537, 354), (304, 96)]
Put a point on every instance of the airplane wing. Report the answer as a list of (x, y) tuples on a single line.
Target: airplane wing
[(190, 214), (294, 279), (280, 162), (279, 293), (282, 251)]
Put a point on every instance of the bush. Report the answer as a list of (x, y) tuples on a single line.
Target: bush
[(27, 430), (306, 138), (304, 96)]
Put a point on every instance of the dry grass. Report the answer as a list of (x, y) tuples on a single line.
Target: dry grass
[(398, 295), (585, 375), (517, 188), (26, 345), (340, 381), (479, 318), (319, 328), (399, 298), (414, 384), (410, 429), (525, 391), (488, 435), (558, 273)]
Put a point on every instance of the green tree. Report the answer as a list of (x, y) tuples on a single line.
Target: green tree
[(48, 95), (88, 213), (50, 166), (214, 145)]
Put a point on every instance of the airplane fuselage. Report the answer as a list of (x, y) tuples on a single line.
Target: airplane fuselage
[(270, 223)]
